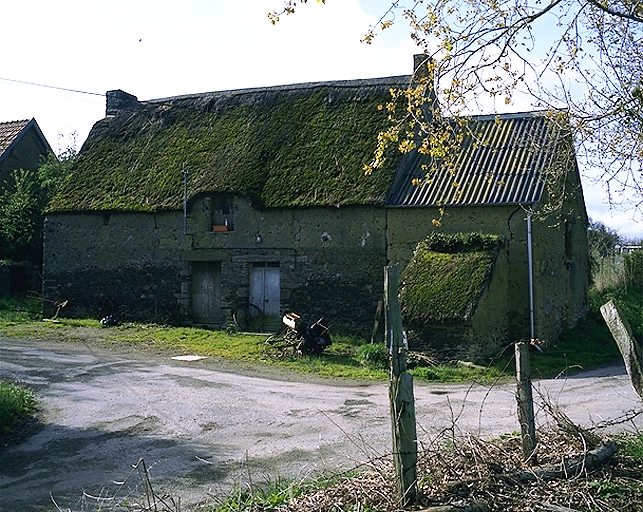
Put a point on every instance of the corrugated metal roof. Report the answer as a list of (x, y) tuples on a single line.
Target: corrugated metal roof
[(9, 131), (504, 159)]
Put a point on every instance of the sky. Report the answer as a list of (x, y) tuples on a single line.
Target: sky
[(155, 49)]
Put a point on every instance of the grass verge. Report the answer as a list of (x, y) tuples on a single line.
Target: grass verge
[(17, 407)]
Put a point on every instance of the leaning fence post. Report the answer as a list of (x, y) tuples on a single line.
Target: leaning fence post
[(525, 400), (629, 347), (400, 394)]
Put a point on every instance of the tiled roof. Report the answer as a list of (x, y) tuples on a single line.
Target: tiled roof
[(504, 159), (9, 131)]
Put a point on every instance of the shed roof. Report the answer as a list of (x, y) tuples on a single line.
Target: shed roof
[(9, 131), (504, 159), (12, 131), (295, 145)]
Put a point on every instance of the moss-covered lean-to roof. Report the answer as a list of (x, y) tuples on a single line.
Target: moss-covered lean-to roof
[(302, 145), (447, 276)]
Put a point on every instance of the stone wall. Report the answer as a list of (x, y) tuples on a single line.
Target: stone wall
[(138, 264), (120, 263), (330, 260)]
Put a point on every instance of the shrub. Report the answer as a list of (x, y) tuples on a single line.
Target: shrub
[(634, 269), (17, 403), (373, 355)]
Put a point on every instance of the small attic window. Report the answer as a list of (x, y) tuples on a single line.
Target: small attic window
[(222, 214)]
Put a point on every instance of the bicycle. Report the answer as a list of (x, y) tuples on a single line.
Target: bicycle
[(283, 343)]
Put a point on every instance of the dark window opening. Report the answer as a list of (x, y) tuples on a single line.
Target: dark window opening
[(222, 214)]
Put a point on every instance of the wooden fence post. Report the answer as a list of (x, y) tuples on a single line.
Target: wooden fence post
[(400, 394), (630, 349), (525, 400)]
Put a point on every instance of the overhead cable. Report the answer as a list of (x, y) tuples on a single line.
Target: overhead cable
[(51, 87)]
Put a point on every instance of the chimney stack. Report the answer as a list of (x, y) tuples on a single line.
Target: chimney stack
[(120, 100), (423, 75)]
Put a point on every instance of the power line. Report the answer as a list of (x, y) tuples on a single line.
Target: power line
[(51, 87)]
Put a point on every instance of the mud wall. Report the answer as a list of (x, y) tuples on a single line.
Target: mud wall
[(560, 265), (119, 263)]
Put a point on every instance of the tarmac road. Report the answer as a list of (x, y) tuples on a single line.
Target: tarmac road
[(203, 427)]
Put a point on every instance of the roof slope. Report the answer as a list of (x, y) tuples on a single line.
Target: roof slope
[(9, 132), (298, 145), (504, 159)]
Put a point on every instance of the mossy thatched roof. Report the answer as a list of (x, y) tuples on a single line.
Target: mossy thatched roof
[(447, 276), (300, 145)]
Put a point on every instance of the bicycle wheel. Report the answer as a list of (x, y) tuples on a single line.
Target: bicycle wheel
[(248, 317)]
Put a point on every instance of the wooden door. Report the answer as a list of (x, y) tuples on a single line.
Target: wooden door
[(205, 297), (265, 288)]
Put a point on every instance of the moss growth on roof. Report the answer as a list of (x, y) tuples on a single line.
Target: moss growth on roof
[(280, 147), (447, 277)]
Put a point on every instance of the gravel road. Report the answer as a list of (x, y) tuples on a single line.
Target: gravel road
[(205, 426)]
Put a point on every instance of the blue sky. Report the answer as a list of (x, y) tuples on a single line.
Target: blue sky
[(161, 48)]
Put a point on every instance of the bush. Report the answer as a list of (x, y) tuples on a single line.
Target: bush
[(374, 356), (17, 404), (634, 269), (625, 288)]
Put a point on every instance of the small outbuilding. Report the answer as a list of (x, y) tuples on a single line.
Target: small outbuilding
[(22, 146)]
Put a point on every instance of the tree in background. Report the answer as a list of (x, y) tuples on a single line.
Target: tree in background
[(582, 56), (22, 206), (602, 240)]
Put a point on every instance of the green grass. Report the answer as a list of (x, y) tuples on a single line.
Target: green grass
[(15, 311), (271, 495), (588, 344), (631, 445), (17, 405)]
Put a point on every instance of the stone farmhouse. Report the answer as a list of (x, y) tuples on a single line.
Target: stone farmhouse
[(254, 201)]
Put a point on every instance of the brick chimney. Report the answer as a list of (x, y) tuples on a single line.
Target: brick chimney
[(120, 100)]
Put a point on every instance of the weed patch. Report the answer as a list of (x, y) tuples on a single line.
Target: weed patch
[(17, 405)]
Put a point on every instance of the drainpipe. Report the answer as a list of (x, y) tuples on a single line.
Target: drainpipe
[(185, 201), (530, 260)]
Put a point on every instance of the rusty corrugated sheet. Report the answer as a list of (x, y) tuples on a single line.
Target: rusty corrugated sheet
[(503, 160)]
